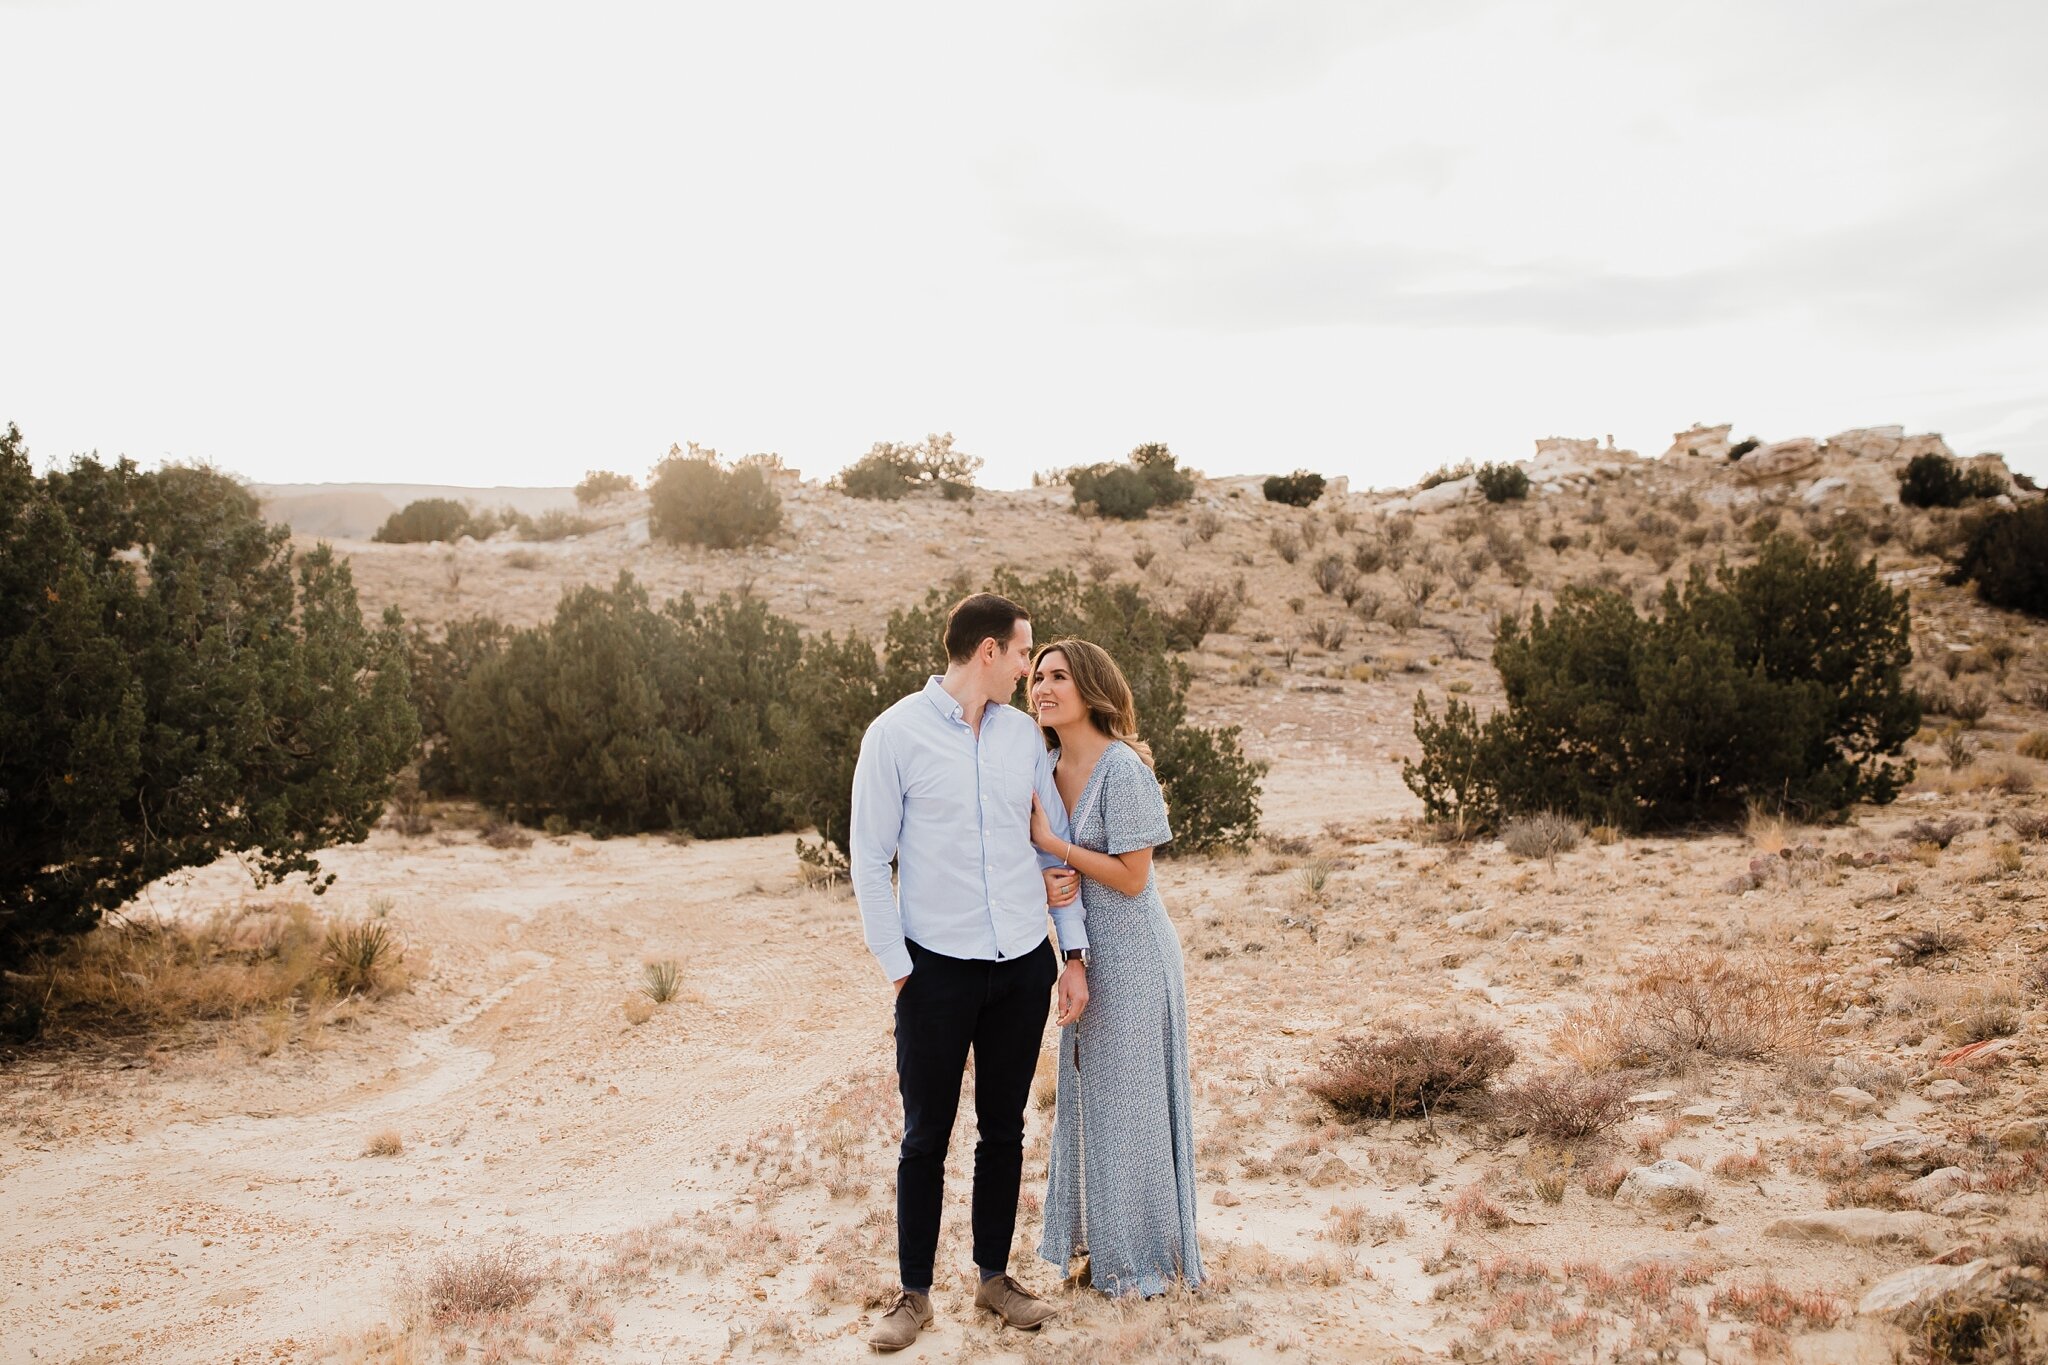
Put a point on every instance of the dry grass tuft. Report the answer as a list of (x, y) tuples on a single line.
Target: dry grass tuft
[(1966, 1328), (1774, 1306), (1471, 1208), (1542, 835), (1411, 1073), (387, 1142), (1743, 1165), (2033, 744), (1695, 1001), (465, 1288), (504, 834), (1564, 1105), (141, 976), (1921, 944)]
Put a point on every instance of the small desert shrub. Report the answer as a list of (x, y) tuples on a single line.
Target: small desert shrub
[(1695, 1001), (1940, 833), (599, 484), (1286, 542), (699, 499), (1329, 573), (1446, 473), (386, 1142), (2006, 552), (1562, 1105), (1502, 482), (1912, 948), (1771, 1304), (1115, 491), (461, 1288), (1935, 480), (1298, 489), (1544, 834), (556, 524), (1743, 1165), (504, 834), (1208, 522), (1411, 1073), (1968, 1327), (423, 520), (1471, 1208), (663, 980), (1329, 633), (895, 469), (2033, 744), (1206, 608)]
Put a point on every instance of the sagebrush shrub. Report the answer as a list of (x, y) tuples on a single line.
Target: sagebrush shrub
[(1543, 834), (1411, 1073), (1562, 1105), (699, 499), (1696, 1001), (1781, 680), (1934, 480)]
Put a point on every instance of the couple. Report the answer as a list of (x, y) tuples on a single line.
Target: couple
[(993, 817)]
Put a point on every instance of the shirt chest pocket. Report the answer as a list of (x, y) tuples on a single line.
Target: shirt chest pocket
[(1006, 794)]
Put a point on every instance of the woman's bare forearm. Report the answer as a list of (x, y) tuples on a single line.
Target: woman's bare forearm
[(1124, 873)]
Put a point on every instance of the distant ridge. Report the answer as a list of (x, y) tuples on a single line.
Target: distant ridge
[(354, 511)]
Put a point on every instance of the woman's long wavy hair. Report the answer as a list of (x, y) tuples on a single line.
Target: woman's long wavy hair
[(1103, 690)]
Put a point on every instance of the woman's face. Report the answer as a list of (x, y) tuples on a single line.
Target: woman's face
[(1054, 698)]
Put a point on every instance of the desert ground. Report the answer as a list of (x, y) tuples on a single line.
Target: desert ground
[(716, 1181)]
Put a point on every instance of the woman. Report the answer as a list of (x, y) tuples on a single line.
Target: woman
[(1121, 1183)]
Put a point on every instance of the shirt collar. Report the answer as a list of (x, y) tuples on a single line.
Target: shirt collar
[(935, 692)]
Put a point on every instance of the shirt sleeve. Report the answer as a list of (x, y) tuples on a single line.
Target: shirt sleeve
[(874, 831), (1133, 807), (1069, 920)]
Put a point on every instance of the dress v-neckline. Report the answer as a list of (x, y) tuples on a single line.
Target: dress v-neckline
[(1081, 798)]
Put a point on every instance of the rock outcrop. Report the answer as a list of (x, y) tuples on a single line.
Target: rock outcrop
[(1779, 460), (1706, 442)]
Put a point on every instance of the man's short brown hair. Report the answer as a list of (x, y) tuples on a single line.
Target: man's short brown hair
[(984, 616)]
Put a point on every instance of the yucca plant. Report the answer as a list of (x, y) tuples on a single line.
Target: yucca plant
[(356, 954), (664, 980)]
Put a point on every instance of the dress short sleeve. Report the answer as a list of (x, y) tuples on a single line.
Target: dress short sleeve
[(1133, 807)]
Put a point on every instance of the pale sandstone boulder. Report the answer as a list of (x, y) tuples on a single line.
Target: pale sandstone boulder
[(1922, 1284), (1668, 1184), (1706, 442), (1779, 460)]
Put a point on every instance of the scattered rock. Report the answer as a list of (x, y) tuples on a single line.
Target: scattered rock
[(1779, 460), (1706, 442), (1975, 1054), (1851, 1100), (1326, 1169), (1921, 1284), (1904, 1149), (1946, 1089), (1701, 1113), (1668, 1184), (2022, 1135), (1968, 1206), (1468, 921), (1819, 490), (1652, 1099), (1935, 1186), (1853, 1226)]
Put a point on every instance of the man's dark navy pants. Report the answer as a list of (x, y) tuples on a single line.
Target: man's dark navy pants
[(948, 1007)]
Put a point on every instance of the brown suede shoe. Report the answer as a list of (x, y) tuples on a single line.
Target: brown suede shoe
[(909, 1315), (1013, 1303)]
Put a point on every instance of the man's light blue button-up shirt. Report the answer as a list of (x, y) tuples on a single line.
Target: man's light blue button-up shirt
[(954, 810)]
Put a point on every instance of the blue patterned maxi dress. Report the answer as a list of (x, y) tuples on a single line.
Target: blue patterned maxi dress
[(1121, 1179)]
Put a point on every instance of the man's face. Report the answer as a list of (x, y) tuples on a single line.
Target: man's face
[(1014, 663)]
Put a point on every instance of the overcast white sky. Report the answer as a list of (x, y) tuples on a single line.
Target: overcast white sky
[(505, 243)]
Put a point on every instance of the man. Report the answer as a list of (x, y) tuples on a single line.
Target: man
[(944, 787)]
